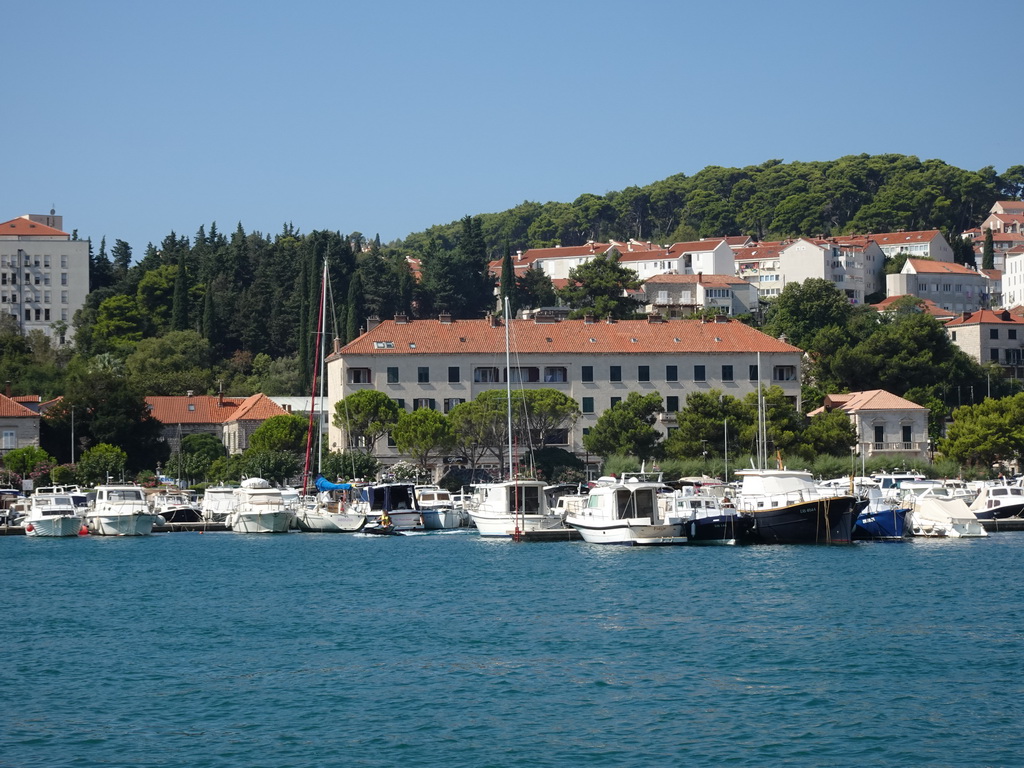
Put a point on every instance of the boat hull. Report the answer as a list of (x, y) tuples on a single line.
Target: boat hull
[(818, 521), (888, 524), (401, 519), (314, 521), (629, 532), (721, 529), (505, 526), (103, 524), (443, 518), (56, 526), (265, 522)]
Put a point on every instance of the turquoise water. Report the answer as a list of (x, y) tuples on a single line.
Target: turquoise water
[(447, 649)]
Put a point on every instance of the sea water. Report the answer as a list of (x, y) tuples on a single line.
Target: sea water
[(192, 649)]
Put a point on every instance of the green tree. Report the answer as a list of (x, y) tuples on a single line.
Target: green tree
[(349, 464), (988, 254), (285, 432), (24, 461), (276, 466), (601, 287), (703, 424), (543, 413), (365, 416), (534, 289), (101, 463), (627, 428), (172, 364), (472, 430), (802, 309), (424, 435), (203, 444), (987, 433), (508, 283), (828, 433)]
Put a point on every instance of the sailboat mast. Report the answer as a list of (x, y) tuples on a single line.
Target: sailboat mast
[(313, 404), (508, 392), (762, 442)]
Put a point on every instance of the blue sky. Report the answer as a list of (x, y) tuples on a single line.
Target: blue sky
[(136, 119)]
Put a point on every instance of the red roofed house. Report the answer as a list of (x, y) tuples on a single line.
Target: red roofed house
[(683, 295), (921, 305), (884, 422), (19, 426), (759, 265), (853, 263), (230, 419), (928, 243), (44, 274), (440, 363), (991, 336), (952, 286)]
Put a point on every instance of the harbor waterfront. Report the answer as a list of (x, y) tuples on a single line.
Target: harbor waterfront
[(448, 648)]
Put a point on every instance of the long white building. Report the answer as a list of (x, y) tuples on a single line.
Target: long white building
[(44, 274), (440, 363)]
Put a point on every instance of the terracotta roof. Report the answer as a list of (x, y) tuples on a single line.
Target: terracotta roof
[(11, 409), (926, 305), (631, 246), (1010, 205), (431, 337), (197, 409), (705, 279), (992, 274), (897, 238), (926, 266), (766, 250), (870, 400), (627, 256), (257, 407), (983, 316), (1009, 218), (22, 226), (696, 246)]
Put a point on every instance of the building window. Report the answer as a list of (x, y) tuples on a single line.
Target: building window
[(358, 375), (400, 402), (383, 345), (556, 374), (643, 373), (993, 333), (423, 375), (557, 437), (485, 375), (615, 373), (672, 403), (63, 262), (752, 372), (63, 297), (587, 373), (451, 402), (9, 443), (588, 405), (453, 375), (953, 334), (906, 437), (63, 278), (392, 374), (785, 373), (671, 373), (1011, 333), (423, 402), (727, 373), (614, 401), (698, 373), (524, 374), (994, 355)]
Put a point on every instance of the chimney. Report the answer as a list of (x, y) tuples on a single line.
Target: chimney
[(189, 393), (336, 345), (492, 320), (654, 317), (445, 318), (372, 322), (1005, 314), (721, 318), (609, 320), (401, 318), (589, 319), (699, 276), (220, 399), (7, 388), (967, 315)]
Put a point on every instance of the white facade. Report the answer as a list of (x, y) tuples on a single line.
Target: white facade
[(854, 267), (953, 287), (44, 274)]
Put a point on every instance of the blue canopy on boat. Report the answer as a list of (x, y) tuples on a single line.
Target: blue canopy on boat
[(323, 484)]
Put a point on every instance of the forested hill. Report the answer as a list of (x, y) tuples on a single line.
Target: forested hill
[(240, 310), (773, 200)]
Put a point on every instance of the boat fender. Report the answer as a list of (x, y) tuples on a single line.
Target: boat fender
[(693, 530), (29, 528)]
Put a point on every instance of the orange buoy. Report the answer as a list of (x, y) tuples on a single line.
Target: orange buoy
[(83, 531)]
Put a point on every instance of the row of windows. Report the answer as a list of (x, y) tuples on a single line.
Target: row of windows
[(31, 298), (12, 279), (29, 261), (560, 374)]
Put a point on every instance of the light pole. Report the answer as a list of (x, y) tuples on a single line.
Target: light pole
[(72, 434)]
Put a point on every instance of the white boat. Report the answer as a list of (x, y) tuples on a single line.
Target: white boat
[(397, 499), (935, 514), (709, 518), (330, 511), (259, 509), (998, 502), (120, 510), (176, 506), (217, 503), (512, 508), (53, 514), (438, 510), (628, 510)]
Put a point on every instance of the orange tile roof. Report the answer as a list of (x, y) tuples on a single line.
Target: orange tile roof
[(432, 337), (983, 316), (869, 400), (1011, 205), (11, 409), (257, 407), (696, 246), (898, 238), (205, 409), (632, 256), (926, 266), (927, 305), (705, 279), (22, 227), (766, 250)]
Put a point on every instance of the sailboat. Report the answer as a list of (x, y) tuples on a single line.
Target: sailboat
[(785, 505), (329, 510), (516, 508)]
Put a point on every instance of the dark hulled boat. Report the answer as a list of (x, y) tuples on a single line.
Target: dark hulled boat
[(786, 507)]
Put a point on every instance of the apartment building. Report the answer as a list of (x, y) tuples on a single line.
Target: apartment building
[(441, 363), (952, 286), (44, 274), (991, 337)]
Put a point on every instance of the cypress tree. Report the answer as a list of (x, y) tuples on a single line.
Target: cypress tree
[(179, 306), (988, 254), (508, 282)]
